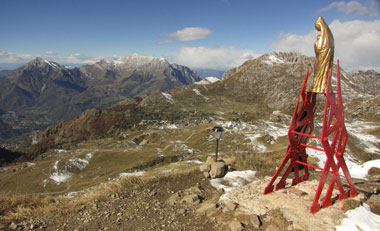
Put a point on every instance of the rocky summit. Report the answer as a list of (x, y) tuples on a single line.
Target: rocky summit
[(43, 92), (144, 163)]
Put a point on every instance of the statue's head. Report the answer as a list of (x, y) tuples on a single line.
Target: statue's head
[(319, 23)]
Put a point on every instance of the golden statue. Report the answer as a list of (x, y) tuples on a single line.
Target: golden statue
[(324, 52)]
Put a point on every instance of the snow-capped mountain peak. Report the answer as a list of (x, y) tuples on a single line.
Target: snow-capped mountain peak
[(134, 61)]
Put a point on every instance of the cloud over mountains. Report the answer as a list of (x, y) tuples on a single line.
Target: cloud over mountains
[(221, 58), (356, 43), (187, 34)]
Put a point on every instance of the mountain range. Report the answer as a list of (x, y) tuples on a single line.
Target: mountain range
[(43, 92), (169, 133), (258, 89)]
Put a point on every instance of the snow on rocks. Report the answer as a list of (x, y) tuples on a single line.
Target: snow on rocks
[(370, 144), (358, 129), (272, 59), (197, 92), (126, 174), (360, 171), (360, 218), (356, 170), (59, 176), (233, 180), (194, 161), (70, 167), (168, 97), (253, 131), (207, 80)]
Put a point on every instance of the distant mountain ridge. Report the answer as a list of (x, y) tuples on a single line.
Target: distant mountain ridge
[(250, 92), (203, 73), (42, 92)]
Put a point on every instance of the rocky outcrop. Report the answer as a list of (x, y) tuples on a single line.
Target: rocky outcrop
[(214, 169)]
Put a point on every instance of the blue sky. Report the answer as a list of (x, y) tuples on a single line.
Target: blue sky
[(199, 33)]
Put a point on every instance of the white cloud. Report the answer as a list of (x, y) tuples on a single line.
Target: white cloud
[(354, 8), (8, 57), (80, 59), (187, 34), (216, 58), (356, 43)]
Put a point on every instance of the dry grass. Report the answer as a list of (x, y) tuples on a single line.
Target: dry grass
[(18, 207), (264, 163)]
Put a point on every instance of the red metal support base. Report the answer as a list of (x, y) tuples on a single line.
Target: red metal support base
[(333, 139)]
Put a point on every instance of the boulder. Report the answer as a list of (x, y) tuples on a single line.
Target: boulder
[(214, 169), (218, 169)]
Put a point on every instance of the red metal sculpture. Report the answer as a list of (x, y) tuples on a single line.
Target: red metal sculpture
[(333, 139)]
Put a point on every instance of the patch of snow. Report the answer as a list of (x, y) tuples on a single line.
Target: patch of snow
[(360, 218), (207, 80), (371, 143), (30, 164), (361, 171), (52, 64), (166, 171), (125, 174), (55, 165), (60, 150), (195, 161), (71, 194), (228, 124), (77, 163), (358, 128), (197, 92), (271, 59), (64, 174), (171, 126), (212, 79), (168, 96), (131, 142), (59, 177), (89, 156), (233, 180), (258, 129), (168, 126)]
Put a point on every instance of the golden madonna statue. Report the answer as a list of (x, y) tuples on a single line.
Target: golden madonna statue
[(324, 52)]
